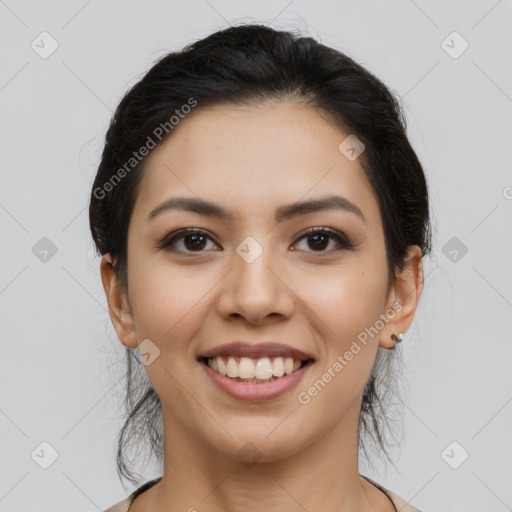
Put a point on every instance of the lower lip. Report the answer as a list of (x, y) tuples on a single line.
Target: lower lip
[(252, 391)]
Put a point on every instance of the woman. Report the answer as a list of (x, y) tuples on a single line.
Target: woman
[(262, 220)]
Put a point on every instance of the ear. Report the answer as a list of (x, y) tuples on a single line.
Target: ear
[(118, 304), (405, 295)]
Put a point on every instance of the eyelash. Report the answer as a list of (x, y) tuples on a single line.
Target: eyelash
[(332, 233)]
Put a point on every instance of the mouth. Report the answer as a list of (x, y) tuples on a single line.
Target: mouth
[(255, 363), (255, 370)]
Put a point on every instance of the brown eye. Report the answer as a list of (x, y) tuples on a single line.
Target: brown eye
[(319, 241), (320, 238), (193, 240)]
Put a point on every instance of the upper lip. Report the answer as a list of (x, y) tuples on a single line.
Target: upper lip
[(256, 350)]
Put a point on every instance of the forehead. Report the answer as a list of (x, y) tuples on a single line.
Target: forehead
[(254, 159)]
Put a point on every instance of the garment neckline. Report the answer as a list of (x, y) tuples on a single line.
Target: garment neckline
[(151, 483), (140, 490)]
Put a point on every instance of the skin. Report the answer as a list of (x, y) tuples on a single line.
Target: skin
[(252, 160)]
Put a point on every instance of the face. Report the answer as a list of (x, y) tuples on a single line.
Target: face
[(258, 274)]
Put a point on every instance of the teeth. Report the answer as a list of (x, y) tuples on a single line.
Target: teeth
[(232, 368), (246, 368), (221, 365), (278, 367), (263, 369), (288, 365)]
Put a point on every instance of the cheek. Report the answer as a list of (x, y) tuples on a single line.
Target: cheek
[(345, 302), (343, 310), (167, 302)]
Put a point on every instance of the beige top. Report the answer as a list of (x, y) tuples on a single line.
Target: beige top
[(123, 506)]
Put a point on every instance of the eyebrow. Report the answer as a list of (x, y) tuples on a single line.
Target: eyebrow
[(286, 212)]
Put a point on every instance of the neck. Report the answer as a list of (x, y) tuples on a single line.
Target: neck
[(198, 477)]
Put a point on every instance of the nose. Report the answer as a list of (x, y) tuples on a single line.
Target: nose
[(255, 290)]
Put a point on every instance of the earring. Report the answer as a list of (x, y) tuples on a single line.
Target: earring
[(397, 337)]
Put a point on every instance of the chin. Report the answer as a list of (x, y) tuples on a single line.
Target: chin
[(257, 447)]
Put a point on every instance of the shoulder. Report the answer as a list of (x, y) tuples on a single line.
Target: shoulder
[(400, 504), (122, 506)]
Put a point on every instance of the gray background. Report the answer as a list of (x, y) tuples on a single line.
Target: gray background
[(60, 372)]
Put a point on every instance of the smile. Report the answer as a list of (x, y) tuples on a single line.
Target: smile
[(253, 389), (246, 369)]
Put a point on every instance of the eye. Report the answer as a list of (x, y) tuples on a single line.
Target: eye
[(320, 238), (194, 240)]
